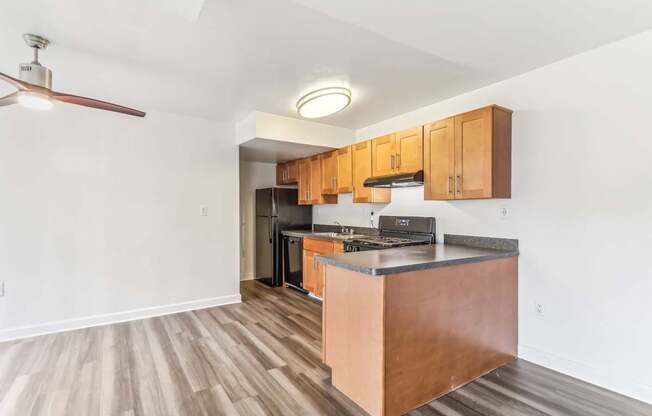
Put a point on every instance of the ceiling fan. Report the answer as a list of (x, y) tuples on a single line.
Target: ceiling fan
[(35, 86)]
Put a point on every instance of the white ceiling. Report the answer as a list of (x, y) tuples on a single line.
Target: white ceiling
[(245, 55), (274, 151)]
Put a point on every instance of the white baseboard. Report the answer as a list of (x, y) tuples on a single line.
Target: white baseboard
[(246, 276), (113, 318), (588, 373)]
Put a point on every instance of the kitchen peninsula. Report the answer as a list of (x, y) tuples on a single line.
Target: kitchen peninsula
[(406, 325)]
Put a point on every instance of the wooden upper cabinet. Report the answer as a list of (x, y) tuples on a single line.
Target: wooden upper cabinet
[(329, 173), (396, 153), (439, 159), (361, 162), (409, 150), (478, 163), (310, 182), (383, 150), (304, 178), (344, 170), (287, 173), (473, 151), (315, 179), (292, 169), (280, 173)]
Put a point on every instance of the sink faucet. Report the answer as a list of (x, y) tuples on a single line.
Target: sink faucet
[(342, 229)]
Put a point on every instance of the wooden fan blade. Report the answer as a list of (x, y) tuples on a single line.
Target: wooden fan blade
[(9, 99), (21, 85), (90, 102)]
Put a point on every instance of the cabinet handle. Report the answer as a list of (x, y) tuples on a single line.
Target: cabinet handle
[(398, 160), (458, 184), (335, 182), (391, 161), (450, 179)]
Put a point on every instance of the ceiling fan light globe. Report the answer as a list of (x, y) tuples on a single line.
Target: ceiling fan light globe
[(34, 101), (323, 102)]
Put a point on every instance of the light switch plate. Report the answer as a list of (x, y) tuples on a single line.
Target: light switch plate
[(203, 211)]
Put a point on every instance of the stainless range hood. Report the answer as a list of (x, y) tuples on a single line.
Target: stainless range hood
[(403, 180)]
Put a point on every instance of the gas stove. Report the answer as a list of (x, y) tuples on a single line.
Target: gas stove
[(395, 232)]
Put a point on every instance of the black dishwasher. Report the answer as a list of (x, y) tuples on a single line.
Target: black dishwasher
[(293, 262)]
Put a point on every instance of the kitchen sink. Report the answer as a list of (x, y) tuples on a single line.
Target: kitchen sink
[(339, 236)]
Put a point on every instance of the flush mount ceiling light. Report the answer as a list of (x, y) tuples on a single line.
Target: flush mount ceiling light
[(323, 102)]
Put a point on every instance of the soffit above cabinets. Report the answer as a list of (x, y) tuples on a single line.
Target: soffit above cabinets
[(275, 151)]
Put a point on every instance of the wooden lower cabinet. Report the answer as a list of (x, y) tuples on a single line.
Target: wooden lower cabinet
[(313, 272), (361, 163), (309, 271), (396, 342)]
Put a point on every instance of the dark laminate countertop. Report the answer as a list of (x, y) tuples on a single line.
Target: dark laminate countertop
[(408, 259)]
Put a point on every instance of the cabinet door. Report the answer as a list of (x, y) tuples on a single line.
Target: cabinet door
[(473, 154), (361, 158), (383, 155), (361, 154), (409, 150), (344, 170), (292, 169), (309, 271), (329, 173), (304, 181), (280, 173), (439, 159), (315, 180), (320, 275)]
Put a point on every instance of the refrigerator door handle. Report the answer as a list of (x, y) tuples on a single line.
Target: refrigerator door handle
[(269, 228)]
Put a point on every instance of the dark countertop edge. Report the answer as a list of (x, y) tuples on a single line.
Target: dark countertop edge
[(499, 254), (492, 243)]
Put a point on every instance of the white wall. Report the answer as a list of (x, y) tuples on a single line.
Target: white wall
[(100, 217), (253, 175), (581, 208)]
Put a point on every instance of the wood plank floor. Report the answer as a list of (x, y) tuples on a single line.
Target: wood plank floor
[(260, 357)]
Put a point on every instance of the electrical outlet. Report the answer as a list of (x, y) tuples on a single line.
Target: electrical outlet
[(539, 309), (503, 212), (2, 289), (203, 211)]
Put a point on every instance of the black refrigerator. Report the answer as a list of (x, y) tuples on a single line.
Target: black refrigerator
[(277, 209)]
